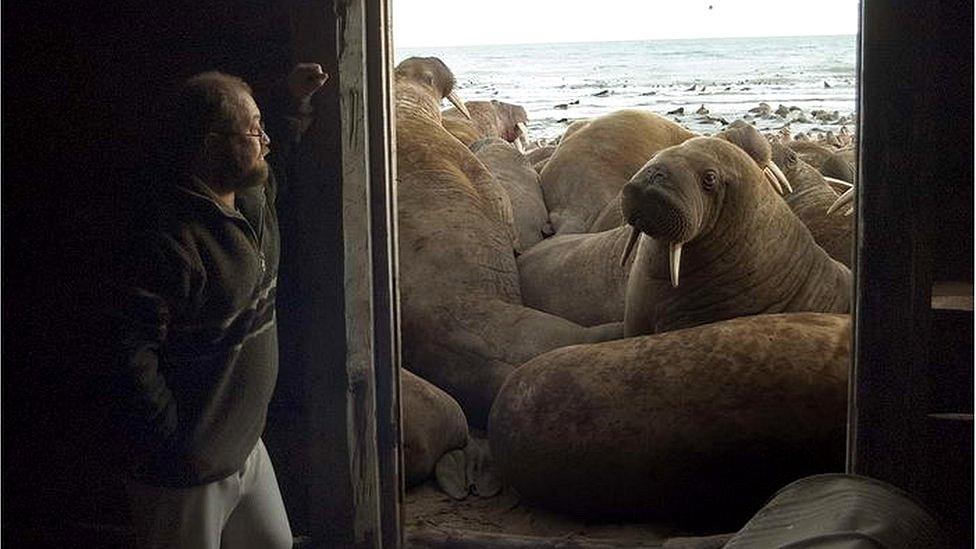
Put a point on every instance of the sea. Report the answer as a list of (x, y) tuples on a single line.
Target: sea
[(809, 80)]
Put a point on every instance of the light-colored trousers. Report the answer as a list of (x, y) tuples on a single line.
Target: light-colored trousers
[(241, 511)]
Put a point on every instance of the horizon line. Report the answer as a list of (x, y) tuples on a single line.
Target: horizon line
[(395, 47)]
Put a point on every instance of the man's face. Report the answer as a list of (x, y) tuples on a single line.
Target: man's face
[(238, 159)]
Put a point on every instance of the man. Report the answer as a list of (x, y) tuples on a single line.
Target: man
[(198, 351)]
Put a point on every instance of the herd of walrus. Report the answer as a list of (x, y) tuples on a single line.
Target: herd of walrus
[(646, 323)]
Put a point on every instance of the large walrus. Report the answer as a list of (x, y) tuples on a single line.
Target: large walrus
[(698, 426), (812, 196), (485, 119), (577, 276), (580, 276), (717, 242), (588, 168), (464, 327), (515, 174)]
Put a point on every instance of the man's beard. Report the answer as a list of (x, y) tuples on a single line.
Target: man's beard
[(235, 177)]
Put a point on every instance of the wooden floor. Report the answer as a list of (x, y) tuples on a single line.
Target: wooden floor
[(432, 519)]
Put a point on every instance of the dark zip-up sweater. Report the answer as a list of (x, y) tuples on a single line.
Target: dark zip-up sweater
[(197, 352), (199, 348)]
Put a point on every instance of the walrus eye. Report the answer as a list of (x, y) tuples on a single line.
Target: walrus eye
[(791, 160), (709, 180)]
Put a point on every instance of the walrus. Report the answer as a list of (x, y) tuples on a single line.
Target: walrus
[(573, 127), (841, 164), (433, 425), (580, 277), (696, 426), (463, 325), (486, 119), (812, 196), (534, 156), (717, 242), (590, 166), (577, 276), (810, 152), (515, 174), (611, 216)]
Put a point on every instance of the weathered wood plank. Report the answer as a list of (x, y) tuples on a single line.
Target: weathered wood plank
[(356, 221), (386, 350)]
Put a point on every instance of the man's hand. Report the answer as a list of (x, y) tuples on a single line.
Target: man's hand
[(304, 80)]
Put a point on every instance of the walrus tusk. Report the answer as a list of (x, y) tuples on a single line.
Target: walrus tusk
[(458, 104), (634, 235), (841, 201), (675, 262), (519, 146), (522, 135), (837, 183), (780, 176), (773, 182)]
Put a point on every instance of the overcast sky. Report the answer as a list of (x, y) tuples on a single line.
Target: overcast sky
[(466, 22)]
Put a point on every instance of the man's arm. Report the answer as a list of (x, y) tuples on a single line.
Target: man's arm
[(143, 406), (288, 113)]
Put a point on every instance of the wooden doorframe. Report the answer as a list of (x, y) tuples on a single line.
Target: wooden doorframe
[(346, 485), (893, 269)]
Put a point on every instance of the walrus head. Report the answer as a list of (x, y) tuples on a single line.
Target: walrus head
[(681, 192), (802, 175), (511, 120), (433, 74)]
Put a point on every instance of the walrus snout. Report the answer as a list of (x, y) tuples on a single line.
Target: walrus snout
[(653, 208)]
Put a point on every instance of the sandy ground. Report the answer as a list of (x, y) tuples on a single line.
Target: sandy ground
[(429, 512)]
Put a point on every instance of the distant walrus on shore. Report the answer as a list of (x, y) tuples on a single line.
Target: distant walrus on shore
[(488, 119), (463, 327), (590, 167)]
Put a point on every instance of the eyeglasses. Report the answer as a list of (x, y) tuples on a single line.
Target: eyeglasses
[(260, 133)]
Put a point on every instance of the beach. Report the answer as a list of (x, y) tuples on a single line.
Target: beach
[(807, 83)]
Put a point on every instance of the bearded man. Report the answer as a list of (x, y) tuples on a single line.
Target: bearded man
[(197, 359)]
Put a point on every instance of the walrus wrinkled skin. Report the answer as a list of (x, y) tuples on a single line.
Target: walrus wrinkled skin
[(577, 276), (463, 327), (590, 166), (488, 119), (692, 426), (812, 153), (810, 199), (539, 154), (433, 424), (841, 164), (515, 174), (741, 250)]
